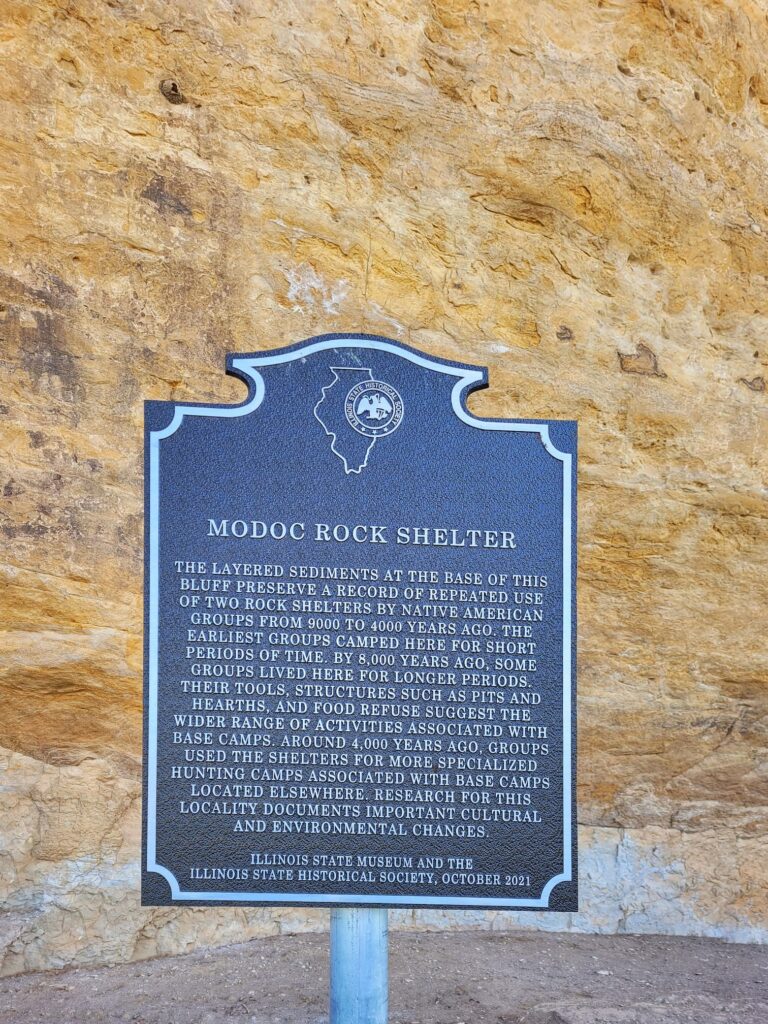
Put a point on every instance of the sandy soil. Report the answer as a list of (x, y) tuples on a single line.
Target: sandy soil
[(458, 978)]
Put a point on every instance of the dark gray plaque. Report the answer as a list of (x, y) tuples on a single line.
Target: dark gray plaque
[(359, 640)]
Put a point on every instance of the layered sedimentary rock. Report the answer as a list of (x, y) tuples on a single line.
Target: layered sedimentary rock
[(572, 194)]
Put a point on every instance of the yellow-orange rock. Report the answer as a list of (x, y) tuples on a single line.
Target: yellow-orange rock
[(570, 193)]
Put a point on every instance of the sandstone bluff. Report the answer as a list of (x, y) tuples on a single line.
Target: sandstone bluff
[(570, 193)]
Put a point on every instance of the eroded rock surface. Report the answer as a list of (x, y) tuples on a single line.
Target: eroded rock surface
[(571, 194)]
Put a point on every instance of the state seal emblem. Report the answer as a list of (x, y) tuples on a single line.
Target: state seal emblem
[(373, 408)]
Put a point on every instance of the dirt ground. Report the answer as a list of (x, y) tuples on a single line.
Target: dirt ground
[(435, 978)]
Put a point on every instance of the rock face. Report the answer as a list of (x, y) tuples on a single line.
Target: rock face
[(571, 194)]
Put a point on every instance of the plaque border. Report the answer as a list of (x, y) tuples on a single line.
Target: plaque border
[(470, 378)]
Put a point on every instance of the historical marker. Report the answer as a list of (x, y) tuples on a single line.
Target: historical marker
[(360, 638)]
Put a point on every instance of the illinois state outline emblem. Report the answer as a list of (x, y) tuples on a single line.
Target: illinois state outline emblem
[(355, 410)]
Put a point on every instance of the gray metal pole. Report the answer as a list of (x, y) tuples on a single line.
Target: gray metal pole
[(359, 967)]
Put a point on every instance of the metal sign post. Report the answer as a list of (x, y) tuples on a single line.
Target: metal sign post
[(359, 970)]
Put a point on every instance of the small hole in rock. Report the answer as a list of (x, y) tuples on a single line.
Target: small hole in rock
[(172, 91)]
